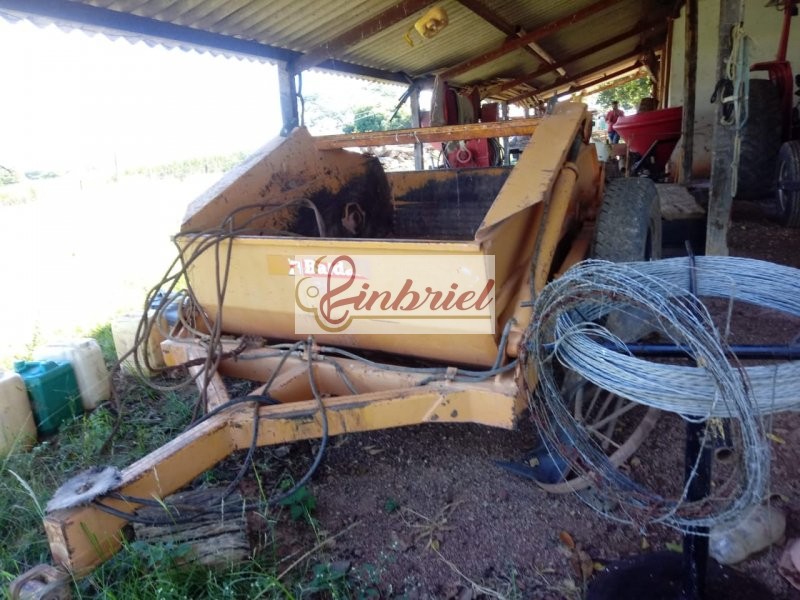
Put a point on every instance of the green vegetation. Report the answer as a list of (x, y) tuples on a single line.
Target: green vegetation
[(378, 115), (8, 176), (144, 570), (16, 194), (627, 94), (193, 166), (372, 118)]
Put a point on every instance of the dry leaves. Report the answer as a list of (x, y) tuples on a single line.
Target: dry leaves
[(582, 564), (430, 529)]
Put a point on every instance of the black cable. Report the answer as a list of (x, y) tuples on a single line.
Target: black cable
[(258, 400)]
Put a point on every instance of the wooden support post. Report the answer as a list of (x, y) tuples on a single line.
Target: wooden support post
[(504, 117), (288, 97), (419, 160), (719, 197), (689, 83), (661, 90), (667, 58)]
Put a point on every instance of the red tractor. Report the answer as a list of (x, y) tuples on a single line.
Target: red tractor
[(780, 128)]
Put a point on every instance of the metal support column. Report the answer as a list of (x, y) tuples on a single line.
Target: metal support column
[(419, 159), (288, 97), (504, 117)]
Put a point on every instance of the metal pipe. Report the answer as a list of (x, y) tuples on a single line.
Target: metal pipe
[(697, 475)]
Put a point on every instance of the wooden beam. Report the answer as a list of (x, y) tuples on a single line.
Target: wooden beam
[(588, 73), (330, 49), (720, 197), (689, 83), (428, 134), (532, 36), (611, 80), (637, 30), (651, 63), (496, 21), (666, 57)]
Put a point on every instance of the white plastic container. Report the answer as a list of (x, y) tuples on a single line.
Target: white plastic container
[(90, 369), (123, 330), (17, 427), (762, 527)]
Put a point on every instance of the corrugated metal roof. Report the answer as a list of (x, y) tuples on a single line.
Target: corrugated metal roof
[(286, 30)]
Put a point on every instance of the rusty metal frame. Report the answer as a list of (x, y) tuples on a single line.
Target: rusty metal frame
[(82, 538), (558, 183)]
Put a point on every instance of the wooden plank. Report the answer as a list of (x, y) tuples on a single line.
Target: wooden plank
[(496, 21), (213, 539), (588, 73), (536, 34), (428, 134), (720, 197), (677, 203), (331, 48), (639, 29)]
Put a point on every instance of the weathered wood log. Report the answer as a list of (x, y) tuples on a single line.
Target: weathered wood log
[(215, 538)]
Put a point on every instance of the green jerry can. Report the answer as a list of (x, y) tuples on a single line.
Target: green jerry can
[(53, 392)]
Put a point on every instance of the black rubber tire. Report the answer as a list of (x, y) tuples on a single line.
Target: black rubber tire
[(788, 201), (760, 142), (628, 227)]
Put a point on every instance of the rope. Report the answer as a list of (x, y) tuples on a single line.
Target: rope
[(737, 70)]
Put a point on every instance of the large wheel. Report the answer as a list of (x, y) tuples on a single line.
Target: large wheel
[(628, 225), (628, 229), (788, 192), (760, 141)]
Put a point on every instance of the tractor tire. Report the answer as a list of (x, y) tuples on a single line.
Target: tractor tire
[(788, 194), (628, 226), (628, 229), (760, 142)]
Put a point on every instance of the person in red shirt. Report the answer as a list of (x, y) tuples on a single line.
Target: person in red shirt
[(611, 118)]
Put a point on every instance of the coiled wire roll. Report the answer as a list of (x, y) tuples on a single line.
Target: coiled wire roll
[(567, 332)]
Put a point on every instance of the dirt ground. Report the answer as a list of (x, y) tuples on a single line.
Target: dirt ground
[(425, 512)]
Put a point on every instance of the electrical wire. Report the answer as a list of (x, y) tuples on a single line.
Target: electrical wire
[(258, 401), (208, 331)]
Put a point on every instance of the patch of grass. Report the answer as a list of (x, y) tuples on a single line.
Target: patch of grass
[(183, 168), (17, 194), (147, 570), (106, 342)]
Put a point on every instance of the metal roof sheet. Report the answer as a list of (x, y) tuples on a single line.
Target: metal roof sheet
[(288, 30)]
